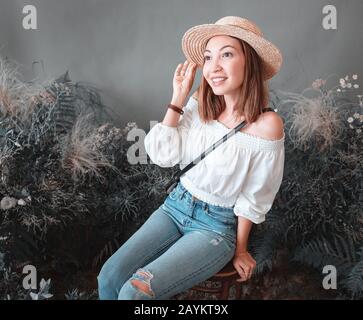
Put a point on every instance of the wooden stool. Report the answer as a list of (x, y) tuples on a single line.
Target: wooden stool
[(226, 278)]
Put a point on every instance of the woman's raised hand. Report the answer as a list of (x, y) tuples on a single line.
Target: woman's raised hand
[(183, 82)]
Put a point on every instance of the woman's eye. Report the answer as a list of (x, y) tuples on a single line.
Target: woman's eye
[(227, 53)]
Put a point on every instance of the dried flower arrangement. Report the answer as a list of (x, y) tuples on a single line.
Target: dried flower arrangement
[(69, 196), (317, 216)]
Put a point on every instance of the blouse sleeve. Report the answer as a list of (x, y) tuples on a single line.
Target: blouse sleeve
[(164, 144), (261, 185)]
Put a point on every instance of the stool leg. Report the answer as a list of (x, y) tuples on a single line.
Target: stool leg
[(225, 289), (190, 294), (238, 290)]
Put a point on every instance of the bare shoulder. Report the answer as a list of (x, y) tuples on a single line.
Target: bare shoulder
[(270, 126)]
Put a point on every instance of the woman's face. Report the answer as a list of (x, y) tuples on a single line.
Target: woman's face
[(223, 57)]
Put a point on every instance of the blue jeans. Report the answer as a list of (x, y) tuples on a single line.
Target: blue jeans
[(183, 243)]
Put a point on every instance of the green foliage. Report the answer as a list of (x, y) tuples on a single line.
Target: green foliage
[(67, 188), (354, 280), (76, 295), (317, 214), (319, 252), (70, 197)]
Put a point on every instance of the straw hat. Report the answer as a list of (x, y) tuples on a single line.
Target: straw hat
[(195, 40)]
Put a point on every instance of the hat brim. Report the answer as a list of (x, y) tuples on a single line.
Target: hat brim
[(195, 39)]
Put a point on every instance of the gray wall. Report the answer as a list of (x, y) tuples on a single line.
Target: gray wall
[(130, 48)]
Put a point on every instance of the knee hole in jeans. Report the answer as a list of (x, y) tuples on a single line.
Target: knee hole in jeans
[(142, 282)]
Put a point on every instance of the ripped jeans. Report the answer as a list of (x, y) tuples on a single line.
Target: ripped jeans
[(183, 243)]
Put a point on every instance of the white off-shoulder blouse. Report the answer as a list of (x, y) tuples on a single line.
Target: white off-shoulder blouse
[(245, 172)]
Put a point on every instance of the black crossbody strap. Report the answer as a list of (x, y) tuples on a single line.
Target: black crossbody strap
[(174, 180)]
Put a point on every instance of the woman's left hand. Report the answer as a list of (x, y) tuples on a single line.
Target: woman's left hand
[(244, 265)]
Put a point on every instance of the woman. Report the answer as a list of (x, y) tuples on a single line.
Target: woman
[(206, 220)]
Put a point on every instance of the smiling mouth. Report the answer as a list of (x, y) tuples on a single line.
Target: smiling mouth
[(218, 81)]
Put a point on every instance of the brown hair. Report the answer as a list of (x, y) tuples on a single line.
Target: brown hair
[(253, 96)]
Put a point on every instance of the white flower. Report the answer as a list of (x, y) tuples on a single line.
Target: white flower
[(43, 292), (356, 86), (43, 283), (350, 119), (349, 85), (342, 81), (7, 203), (355, 76), (346, 78), (359, 130), (339, 90), (21, 202), (34, 296)]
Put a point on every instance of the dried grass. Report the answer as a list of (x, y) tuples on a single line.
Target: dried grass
[(313, 119), (16, 96), (79, 155)]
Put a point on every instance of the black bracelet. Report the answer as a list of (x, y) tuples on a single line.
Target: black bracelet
[(175, 108)]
